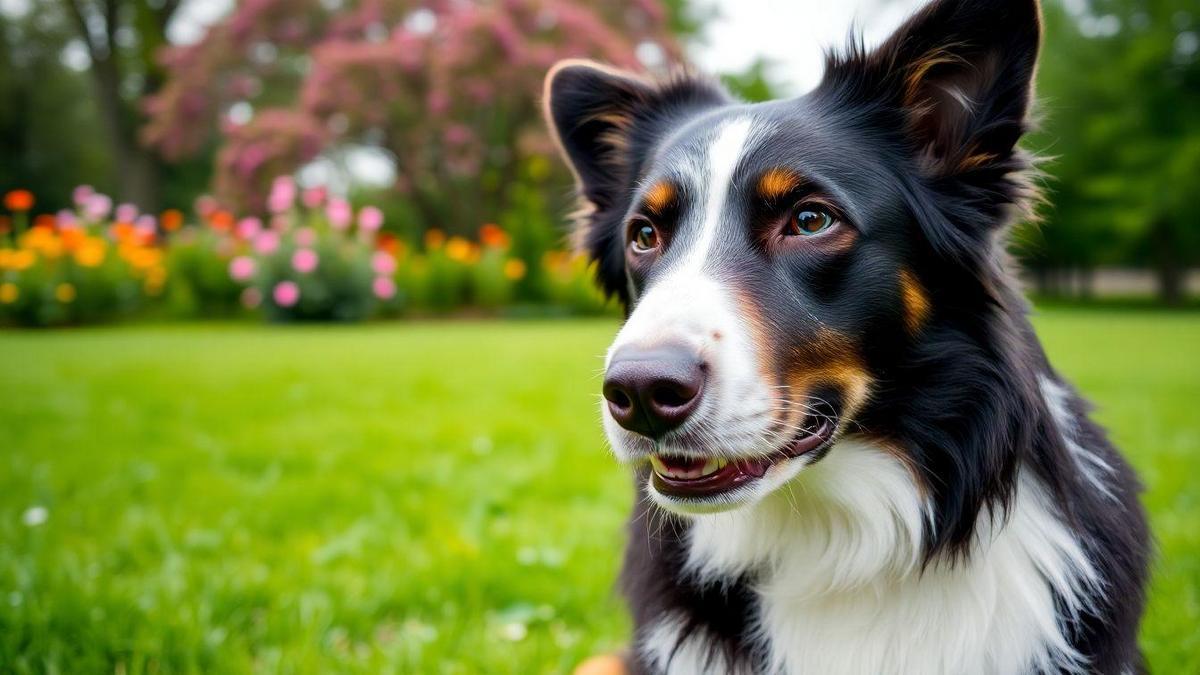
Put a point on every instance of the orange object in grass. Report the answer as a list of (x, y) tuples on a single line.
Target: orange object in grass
[(608, 664)]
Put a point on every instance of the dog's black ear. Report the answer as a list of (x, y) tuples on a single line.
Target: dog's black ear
[(607, 122), (962, 72), (591, 110), (956, 81)]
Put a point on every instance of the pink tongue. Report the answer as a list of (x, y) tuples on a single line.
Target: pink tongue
[(753, 467)]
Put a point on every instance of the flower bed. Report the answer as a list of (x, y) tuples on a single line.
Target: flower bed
[(91, 264), (313, 257)]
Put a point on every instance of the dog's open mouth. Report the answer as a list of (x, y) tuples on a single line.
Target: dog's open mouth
[(698, 477)]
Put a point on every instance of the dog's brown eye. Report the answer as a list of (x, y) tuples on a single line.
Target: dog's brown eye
[(643, 236), (808, 220)]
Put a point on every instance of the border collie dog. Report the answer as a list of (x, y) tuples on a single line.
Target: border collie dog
[(851, 452)]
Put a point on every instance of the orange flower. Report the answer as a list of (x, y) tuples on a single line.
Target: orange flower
[(44, 220), (221, 220), (171, 220), (64, 292), (18, 200), (387, 241), (72, 238), (514, 269), (21, 260), (434, 239), (42, 240), (145, 258), (9, 293), (458, 249), (492, 236), (90, 252), (123, 231)]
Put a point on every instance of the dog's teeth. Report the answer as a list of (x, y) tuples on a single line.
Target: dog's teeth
[(709, 467)]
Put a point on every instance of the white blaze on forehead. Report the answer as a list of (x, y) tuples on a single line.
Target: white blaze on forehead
[(686, 303), (724, 154)]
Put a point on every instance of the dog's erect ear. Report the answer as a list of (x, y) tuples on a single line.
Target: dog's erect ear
[(607, 123), (962, 72), (591, 110)]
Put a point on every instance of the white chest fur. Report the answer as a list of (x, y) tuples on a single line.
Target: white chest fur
[(842, 589)]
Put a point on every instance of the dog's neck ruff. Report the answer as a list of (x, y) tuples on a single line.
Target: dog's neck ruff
[(843, 587)]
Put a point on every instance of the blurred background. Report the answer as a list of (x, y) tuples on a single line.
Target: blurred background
[(318, 390)]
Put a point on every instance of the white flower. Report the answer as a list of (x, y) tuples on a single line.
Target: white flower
[(514, 631), (35, 515)]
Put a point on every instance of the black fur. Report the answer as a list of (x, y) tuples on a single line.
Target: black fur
[(917, 138)]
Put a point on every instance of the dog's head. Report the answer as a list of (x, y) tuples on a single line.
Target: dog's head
[(782, 262)]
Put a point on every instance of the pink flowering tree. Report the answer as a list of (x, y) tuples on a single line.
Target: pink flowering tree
[(451, 90)]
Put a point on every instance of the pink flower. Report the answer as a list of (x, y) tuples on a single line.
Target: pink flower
[(314, 197), (281, 222), (305, 260), (306, 236), (370, 218), (251, 298), (267, 242), (97, 206), (247, 228), (339, 213), (457, 134), (66, 220), (241, 268), (81, 194), (145, 224), (384, 288), (286, 293), (283, 194), (206, 205), (126, 213), (383, 263)]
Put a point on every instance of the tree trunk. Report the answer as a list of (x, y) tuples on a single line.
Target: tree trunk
[(1041, 280), (1168, 265), (137, 170)]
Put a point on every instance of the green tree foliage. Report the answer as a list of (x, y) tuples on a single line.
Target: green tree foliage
[(1120, 86), (46, 142)]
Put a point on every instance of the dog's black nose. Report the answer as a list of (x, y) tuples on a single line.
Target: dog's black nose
[(652, 391)]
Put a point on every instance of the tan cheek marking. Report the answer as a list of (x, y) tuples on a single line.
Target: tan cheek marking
[(659, 197), (778, 183), (830, 358), (915, 301)]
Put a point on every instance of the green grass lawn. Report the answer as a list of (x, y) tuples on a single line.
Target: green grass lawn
[(409, 498)]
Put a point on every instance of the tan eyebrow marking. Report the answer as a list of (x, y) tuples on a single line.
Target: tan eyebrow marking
[(915, 301), (659, 197), (777, 182)]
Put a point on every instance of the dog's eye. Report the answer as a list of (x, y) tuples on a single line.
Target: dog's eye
[(643, 236), (808, 220)]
